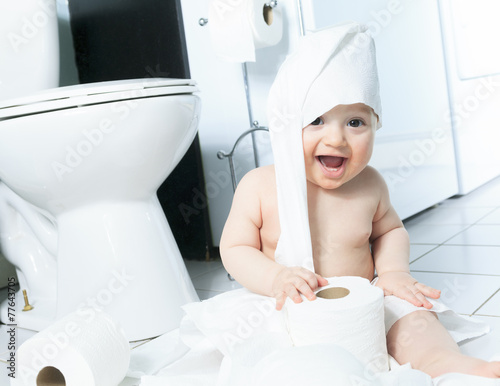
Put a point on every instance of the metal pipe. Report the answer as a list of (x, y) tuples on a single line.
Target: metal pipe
[(250, 113), (301, 19)]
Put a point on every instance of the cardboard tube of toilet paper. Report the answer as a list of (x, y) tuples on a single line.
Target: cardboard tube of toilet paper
[(85, 348), (349, 312)]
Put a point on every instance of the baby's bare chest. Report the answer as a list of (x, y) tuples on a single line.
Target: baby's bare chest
[(341, 223), (334, 222)]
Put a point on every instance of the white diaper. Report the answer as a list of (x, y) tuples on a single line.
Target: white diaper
[(460, 327)]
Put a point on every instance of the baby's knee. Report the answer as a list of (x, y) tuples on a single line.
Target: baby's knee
[(417, 321), (406, 331)]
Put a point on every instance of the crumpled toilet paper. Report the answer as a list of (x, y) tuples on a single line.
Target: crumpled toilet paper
[(321, 364), (254, 339), (84, 348)]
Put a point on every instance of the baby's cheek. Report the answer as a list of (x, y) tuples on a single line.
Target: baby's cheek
[(367, 150)]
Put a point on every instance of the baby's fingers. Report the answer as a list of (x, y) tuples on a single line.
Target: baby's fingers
[(423, 300), (413, 296), (305, 289), (428, 291), (314, 281), (280, 301), (291, 293), (321, 281)]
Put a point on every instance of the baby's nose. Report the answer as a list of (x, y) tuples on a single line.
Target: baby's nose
[(334, 136)]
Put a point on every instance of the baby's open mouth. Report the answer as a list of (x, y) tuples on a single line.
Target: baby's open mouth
[(331, 162)]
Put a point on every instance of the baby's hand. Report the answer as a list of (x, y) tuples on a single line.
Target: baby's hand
[(404, 286), (293, 281)]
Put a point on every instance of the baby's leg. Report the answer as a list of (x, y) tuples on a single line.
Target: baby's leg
[(419, 338)]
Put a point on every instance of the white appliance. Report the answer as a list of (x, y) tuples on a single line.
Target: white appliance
[(470, 37)]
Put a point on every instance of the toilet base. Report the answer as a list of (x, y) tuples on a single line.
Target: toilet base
[(40, 317), (123, 258), (118, 257)]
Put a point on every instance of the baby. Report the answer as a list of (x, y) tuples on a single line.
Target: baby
[(354, 230)]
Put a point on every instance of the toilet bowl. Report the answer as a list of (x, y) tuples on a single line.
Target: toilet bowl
[(80, 220)]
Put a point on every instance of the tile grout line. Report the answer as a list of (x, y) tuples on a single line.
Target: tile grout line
[(485, 315), (486, 301), (470, 226), (443, 244), (486, 215), (436, 246), (456, 234)]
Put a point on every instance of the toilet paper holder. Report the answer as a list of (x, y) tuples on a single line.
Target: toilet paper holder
[(272, 4), (221, 154)]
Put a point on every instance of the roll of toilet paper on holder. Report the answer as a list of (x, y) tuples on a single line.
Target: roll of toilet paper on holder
[(238, 28), (348, 312), (85, 348)]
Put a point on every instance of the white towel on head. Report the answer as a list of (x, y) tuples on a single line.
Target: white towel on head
[(332, 66)]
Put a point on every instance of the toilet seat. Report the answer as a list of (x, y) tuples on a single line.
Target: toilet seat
[(94, 93)]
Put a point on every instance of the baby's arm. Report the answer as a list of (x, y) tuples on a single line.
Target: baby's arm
[(391, 254), (240, 248)]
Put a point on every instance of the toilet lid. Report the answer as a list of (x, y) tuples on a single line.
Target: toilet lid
[(93, 93)]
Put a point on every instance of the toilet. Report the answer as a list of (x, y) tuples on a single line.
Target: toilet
[(79, 217), (29, 47)]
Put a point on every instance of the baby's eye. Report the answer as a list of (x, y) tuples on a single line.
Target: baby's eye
[(355, 123), (317, 121)]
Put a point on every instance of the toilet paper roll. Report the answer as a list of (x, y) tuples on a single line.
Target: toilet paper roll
[(349, 312), (85, 348), (239, 27)]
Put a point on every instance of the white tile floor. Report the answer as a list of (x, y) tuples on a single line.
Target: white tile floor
[(455, 246)]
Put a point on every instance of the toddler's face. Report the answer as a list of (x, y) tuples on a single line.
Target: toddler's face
[(339, 144)]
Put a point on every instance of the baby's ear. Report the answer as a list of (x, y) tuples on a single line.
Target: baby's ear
[(378, 118)]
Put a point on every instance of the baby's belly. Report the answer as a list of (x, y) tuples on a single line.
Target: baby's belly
[(345, 263)]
